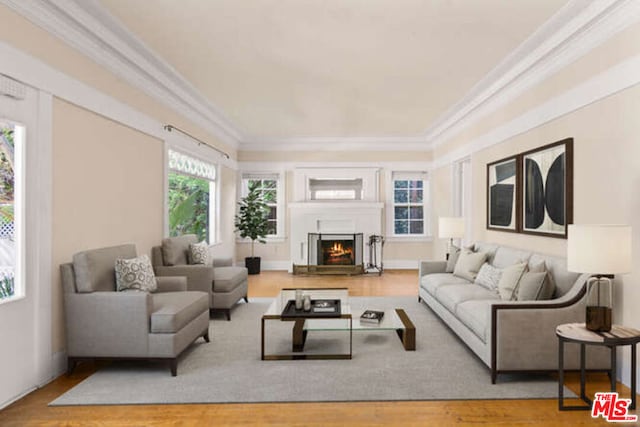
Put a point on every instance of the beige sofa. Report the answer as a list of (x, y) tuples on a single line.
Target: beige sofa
[(102, 323), (510, 336)]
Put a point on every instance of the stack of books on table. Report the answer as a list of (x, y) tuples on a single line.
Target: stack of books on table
[(372, 316), (325, 306)]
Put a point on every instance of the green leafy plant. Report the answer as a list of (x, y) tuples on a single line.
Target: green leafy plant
[(252, 218), (188, 206), (7, 288)]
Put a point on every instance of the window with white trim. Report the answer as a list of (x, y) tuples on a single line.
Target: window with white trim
[(270, 187), (408, 203), (191, 197)]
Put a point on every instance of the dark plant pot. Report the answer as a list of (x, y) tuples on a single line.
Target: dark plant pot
[(252, 264)]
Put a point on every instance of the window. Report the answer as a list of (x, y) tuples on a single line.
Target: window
[(191, 197), (269, 185), (409, 193), (335, 189), (11, 149)]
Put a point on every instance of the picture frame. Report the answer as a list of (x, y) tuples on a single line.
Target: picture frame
[(503, 202), (546, 205)]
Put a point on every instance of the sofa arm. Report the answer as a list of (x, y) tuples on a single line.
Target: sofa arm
[(430, 267), (171, 283), (199, 277), (108, 324), (222, 262)]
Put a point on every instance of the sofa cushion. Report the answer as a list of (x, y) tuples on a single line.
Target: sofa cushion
[(534, 286), (451, 296), (199, 253), (509, 280), (506, 257), (135, 273), (175, 250), (225, 279), (432, 282), (488, 248), (95, 269), (488, 277), (476, 315), (172, 311), (469, 264), (562, 279)]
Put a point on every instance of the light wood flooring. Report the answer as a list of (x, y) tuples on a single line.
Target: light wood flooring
[(32, 410)]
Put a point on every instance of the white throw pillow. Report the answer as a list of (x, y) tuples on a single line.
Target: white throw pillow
[(199, 252), (509, 280), (135, 273), (469, 264), (489, 277)]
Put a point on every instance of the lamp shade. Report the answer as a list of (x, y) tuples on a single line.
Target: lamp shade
[(599, 249), (450, 227)]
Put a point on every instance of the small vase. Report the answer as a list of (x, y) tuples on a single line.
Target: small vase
[(307, 303), (298, 299)]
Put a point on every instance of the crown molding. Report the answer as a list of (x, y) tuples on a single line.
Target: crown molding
[(335, 144), (88, 27), (574, 30)]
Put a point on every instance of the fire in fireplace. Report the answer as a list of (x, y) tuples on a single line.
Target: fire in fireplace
[(337, 252)]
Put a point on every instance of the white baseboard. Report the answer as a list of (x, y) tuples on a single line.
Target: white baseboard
[(401, 264), (59, 365), (271, 265)]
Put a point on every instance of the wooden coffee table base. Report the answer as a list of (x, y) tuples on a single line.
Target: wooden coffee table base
[(408, 334)]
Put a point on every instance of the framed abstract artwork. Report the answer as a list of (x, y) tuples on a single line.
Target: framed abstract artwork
[(547, 189), (503, 181)]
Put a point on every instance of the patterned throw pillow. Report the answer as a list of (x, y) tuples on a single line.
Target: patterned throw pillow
[(135, 273), (489, 277), (199, 252)]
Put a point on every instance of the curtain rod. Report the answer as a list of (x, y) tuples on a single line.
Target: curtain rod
[(170, 128)]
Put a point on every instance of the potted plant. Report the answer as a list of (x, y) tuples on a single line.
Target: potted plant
[(252, 223)]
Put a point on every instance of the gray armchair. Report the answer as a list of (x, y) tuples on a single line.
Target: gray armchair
[(225, 284), (102, 323)]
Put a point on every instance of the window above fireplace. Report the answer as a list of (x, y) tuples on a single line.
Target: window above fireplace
[(340, 184), (335, 189)]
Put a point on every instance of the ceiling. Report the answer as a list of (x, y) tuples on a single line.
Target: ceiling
[(281, 69)]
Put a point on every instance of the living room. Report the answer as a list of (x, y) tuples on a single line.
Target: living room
[(428, 92)]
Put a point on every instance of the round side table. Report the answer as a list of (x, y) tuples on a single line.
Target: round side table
[(579, 334)]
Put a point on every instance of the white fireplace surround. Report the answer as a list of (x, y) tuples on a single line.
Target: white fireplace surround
[(332, 217)]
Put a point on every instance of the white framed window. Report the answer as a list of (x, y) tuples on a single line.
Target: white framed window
[(191, 196), (271, 186), (407, 204)]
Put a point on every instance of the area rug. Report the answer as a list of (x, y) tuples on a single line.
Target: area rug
[(229, 369)]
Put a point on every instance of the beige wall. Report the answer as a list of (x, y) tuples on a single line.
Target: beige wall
[(107, 190)]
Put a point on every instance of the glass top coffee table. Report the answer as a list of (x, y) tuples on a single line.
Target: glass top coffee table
[(346, 320)]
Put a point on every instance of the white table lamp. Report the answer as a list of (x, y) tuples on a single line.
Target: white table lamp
[(601, 250), (450, 228)]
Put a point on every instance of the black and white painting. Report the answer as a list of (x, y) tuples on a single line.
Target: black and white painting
[(501, 194), (547, 192)]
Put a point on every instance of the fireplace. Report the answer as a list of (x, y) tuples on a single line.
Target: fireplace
[(335, 249)]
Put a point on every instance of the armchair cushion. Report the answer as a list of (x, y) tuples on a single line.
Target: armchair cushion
[(171, 284), (135, 273), (226, 279), (175, 250), (172, 311), (94, 269)]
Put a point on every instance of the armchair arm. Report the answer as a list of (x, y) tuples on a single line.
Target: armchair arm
[(222, 262), (199, 277), (108, 324), (171, 283), (430, 267)]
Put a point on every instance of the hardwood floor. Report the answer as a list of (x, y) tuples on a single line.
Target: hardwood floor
[(32, 410)]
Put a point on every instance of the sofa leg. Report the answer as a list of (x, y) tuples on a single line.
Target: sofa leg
[(494, 376), (173, 365), (419, 298), (246, 299), (71, 365), (227, 312), (206, 336)]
